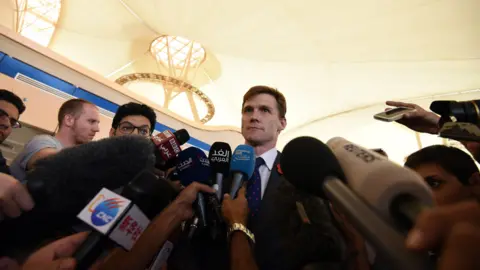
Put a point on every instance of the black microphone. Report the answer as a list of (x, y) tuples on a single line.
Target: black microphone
[(219, 156), (311, 166), (194, 166), (62, 184)]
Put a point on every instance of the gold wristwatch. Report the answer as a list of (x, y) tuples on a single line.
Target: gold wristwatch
[(242, 228)]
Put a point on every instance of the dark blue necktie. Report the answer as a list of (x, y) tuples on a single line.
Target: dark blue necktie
[(254, 189)]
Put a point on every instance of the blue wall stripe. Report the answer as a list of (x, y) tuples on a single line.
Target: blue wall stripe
[(11, 66)]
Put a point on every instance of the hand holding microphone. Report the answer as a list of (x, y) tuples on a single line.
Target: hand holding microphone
[(56, 255), (235, 211), (194, 166), (158, 231)]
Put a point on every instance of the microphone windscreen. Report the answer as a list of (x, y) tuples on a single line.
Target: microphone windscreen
[(73, 176), (306, 162), (219, 156), (243, 160), (62, 184), (182, 136), (193, 165), (376, 179)]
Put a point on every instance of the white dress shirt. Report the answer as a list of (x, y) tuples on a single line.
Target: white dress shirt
[(265, 170)]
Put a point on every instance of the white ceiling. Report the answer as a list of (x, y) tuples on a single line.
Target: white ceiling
[(327, 57)]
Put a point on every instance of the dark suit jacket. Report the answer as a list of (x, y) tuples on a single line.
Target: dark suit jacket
[(283, 241)]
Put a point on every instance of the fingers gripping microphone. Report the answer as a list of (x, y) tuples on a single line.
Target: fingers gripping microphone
[(168, 146), (398, 193), (242, 167), (62, 184), (193, 165), (219, 157), (311, 166)]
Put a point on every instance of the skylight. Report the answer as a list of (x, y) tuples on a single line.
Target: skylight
[(177, 52), (37, 19)]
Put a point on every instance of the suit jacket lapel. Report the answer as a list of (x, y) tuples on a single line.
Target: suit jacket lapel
[(273, 181)]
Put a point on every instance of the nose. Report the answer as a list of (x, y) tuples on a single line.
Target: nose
[(135, 131), (254, 115), (96, 128)]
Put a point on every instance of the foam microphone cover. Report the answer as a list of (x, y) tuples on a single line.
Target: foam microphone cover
[(62, 184), (193, 165), (306, 162), (219, 156), (375, 178)]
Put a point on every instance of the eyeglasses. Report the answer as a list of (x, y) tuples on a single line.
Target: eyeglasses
[(127, 128), (13, 122)]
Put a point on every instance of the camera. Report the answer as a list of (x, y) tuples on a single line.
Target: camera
[(463, 111), (459, 120)]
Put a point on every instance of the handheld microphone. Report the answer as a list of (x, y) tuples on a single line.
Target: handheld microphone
[(193, 165), (242, 167), (168, 146), (398, 193), (112, 217), (62, 184), (219, 157), (311, 166), (147, 191)]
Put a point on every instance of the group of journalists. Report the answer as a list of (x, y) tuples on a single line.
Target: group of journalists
[(158, 206)]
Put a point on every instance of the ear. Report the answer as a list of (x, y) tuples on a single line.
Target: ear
[(112, 132), (283, 124), (69, 120), (474, 180)]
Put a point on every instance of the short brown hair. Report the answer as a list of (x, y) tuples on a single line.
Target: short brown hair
[(73, 107), (262, 89)]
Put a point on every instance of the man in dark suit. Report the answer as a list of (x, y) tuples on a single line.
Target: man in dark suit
[(283, 241)]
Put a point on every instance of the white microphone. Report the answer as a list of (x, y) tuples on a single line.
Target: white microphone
[(398, 193)]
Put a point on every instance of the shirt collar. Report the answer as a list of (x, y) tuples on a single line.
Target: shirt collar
[(269, 157)]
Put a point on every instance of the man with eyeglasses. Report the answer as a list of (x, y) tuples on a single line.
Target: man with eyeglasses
[(11, 106), (133, 118), (14, 197)]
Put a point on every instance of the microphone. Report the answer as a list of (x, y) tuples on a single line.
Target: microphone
[(305, 158), (62, 184), (112, 217), (398, 193), (193, 165), (168, 146), (242, 167), (219, 157)]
